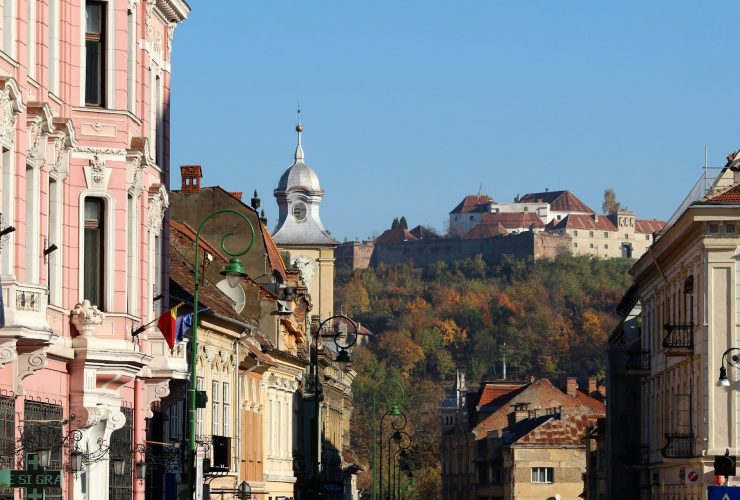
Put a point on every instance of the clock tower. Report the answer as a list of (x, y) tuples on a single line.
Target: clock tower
[(300, 231)]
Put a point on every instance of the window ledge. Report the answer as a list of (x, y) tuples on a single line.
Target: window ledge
[(8, 58), (102, 110)]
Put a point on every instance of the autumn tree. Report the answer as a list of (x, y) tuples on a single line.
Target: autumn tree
[(610, 205)]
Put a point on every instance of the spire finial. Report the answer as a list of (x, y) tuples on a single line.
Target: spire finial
[(299, 129)]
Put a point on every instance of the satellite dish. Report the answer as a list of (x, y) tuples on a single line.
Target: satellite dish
[(236, 294)]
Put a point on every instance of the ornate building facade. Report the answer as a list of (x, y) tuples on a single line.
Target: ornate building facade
[(675, 352), (84, 160)]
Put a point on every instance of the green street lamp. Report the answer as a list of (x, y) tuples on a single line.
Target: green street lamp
[(393, 401), (234, 272), (396, 437)]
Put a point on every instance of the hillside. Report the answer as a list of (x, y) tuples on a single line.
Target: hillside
[(547, 318)]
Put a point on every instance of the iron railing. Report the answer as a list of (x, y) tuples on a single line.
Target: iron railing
[(678, 445), (638, 363), (679, 336)]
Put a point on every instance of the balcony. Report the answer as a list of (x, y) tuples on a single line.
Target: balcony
[(679, 339), (637, 364), (678, 445)]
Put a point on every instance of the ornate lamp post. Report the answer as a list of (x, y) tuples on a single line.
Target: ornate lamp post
[(402, 460), (397, 426), (393, 401), (234, 272), (343, 359)]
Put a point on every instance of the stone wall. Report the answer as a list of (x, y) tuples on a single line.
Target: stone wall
[(536, 245), (354, 254)]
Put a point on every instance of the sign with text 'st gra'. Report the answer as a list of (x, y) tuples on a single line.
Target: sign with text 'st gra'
[(724, 493)]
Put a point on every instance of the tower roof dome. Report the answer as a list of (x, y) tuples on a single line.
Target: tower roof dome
[(299, 175)]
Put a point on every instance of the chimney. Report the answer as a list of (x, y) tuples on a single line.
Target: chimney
[(571, 386), (236, 194), (191, 176), (591, 385), (519, 413), (255, 200), (596, 217)]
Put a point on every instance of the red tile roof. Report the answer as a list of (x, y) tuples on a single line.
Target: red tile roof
[(473, 203), (514, 220), (186, 235), (273, 255), (181, 272), (540, 394), (422, 232), (577, 221), (650, 226), (731, 195), (494, 390), (560, 201), (394, 236), (568, 430), (482, 231)]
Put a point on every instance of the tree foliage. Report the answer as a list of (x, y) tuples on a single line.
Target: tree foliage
[(547, 318), (610, 205)]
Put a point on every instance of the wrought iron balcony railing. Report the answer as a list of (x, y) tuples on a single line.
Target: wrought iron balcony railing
[(638, 363), (678, 445), (679, 336)]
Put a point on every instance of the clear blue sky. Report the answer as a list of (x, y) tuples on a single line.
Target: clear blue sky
[(410, 105)]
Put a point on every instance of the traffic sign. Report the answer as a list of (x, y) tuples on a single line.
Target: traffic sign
[(724, 493)]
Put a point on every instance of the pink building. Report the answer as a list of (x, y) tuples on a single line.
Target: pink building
[(84, 168)]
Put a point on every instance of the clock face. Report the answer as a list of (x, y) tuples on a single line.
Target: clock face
[(307, 266), (299, 211)]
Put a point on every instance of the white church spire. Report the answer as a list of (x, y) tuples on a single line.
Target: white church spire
[(299, 129)]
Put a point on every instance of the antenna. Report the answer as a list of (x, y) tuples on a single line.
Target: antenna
[(706, 166), (504, 368)]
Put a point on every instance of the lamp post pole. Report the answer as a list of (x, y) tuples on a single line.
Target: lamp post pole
[(234, 272), (393, 412), (394, 406), (343, 359)]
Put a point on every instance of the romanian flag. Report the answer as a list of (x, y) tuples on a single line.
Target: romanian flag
[(167, 324)]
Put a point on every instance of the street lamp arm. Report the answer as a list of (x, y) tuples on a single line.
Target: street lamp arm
[(734, 359)]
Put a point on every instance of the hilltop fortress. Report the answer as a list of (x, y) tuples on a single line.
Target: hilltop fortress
[(536, 225)]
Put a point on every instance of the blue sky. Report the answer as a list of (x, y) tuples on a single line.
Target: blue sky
[(409, 106)]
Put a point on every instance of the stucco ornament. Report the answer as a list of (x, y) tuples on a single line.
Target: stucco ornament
[(155, 214), (170, 34), (86, 317), (136, 187), (7, 117), (34, 139), (98, 169), (58, 166), (158, 44), (149, 28)]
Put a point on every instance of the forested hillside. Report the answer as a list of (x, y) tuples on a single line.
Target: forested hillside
[(547, 318)]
